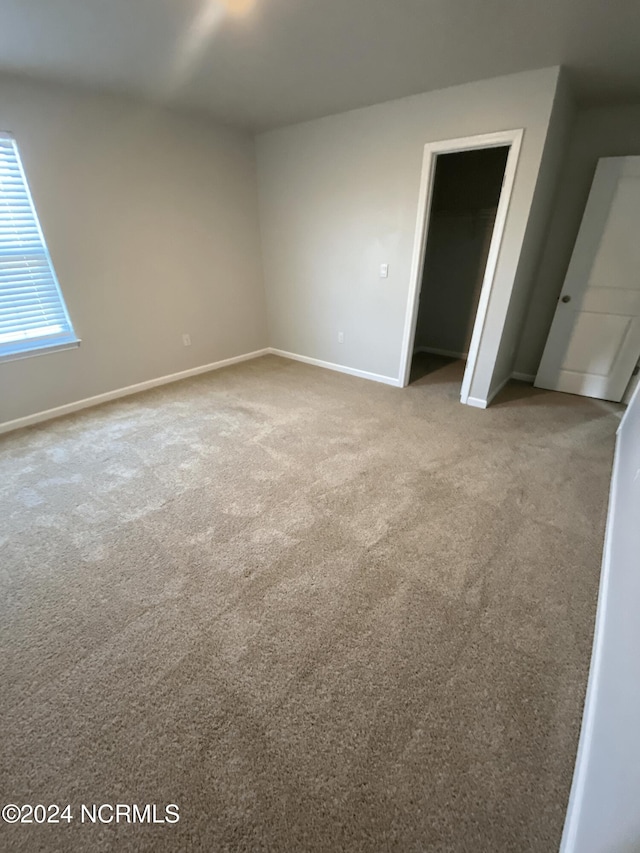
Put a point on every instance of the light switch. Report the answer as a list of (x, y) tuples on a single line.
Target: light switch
[(384, 270)]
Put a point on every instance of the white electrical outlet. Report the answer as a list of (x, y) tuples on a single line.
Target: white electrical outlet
[(186, 340), (340, 337)]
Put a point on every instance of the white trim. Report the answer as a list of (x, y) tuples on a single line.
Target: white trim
[(31, 353), (340, 368), (630, 404), (576, 797), (523, 377), (493, 394), (512, 138), (436, 351), (67, 409), (477, 403)]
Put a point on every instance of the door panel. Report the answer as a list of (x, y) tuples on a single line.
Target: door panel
[(607, 331), (620, 246), (594, 342)]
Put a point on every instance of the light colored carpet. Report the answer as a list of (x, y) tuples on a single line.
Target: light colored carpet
[(317, 613)]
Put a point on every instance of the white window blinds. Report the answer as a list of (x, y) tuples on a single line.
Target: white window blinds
[(33, 315)]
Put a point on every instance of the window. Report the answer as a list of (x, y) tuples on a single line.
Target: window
[(33, 316)]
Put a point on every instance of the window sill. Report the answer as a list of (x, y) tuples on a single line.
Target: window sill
[(44, 350)]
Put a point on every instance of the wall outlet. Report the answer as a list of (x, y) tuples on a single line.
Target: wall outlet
[(340, 337), (384, 270), (186, 340)]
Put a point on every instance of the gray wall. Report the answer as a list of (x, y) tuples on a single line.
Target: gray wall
[(151, 220), (602, 132), (155, 210), (338, 197), (538, 228)]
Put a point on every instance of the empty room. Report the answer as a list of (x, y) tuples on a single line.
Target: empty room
[(319, 426)]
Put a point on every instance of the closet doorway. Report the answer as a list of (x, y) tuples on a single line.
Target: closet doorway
[(465, 198)]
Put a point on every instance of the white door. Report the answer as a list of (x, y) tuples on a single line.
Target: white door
[(594, 342)]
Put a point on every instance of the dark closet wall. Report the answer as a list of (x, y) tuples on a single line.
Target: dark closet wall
[(465, 199)]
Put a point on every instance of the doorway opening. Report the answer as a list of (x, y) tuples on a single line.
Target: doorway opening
[(465, 191)]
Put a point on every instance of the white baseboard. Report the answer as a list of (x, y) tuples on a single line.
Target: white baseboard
[(477, 402), (436, 351), (67, 409), (524, 377), (340, 368)]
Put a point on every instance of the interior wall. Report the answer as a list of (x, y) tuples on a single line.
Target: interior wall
[(151, 220), (339, 195), (523, 294), (598, 132), (603, 814), (463, 210)]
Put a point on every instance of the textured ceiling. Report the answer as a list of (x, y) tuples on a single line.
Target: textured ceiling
[(263, 63)]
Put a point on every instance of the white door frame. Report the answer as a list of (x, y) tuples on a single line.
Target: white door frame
[(512, 138)]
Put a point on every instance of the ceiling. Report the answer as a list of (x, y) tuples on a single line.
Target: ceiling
[(264, 63)]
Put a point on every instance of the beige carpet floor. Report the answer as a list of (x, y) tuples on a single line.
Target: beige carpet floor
[(317, 613)]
